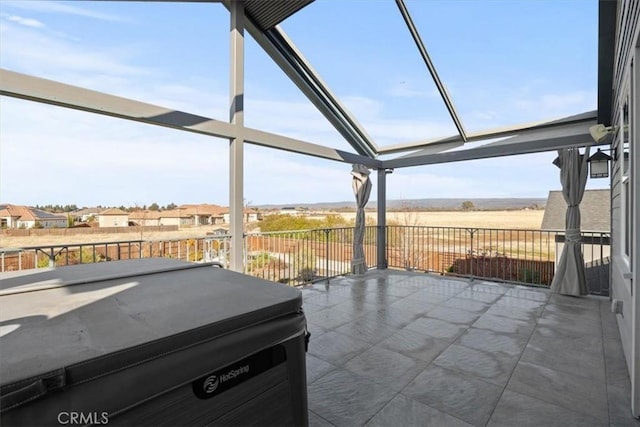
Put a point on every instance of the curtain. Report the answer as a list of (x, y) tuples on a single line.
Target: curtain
[(569, 278), (362, 189)]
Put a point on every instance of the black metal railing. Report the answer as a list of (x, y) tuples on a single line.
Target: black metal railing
[(512, 255), (303, 256), (194, 250)]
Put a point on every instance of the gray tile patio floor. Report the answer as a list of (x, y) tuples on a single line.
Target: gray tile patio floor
[(393, 348)]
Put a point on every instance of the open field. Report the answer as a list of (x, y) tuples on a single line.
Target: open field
[(524, 219)]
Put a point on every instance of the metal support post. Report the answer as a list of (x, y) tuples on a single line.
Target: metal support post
[(381, 244), (236, 152)]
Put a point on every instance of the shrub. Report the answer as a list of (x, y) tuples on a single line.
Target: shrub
[(283, 222)]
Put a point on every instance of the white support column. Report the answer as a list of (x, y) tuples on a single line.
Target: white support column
[(381, 242), (635, 243), (236, 151)]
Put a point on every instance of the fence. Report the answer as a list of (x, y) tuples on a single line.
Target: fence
[(295, 257), (26, 232)]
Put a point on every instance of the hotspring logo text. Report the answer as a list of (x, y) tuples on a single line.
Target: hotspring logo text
[(212, 382)]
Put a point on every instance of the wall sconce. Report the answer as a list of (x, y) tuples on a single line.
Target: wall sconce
[(599, 165)]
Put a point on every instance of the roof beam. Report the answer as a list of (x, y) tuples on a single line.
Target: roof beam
[(573, 135), (307, 79), (492, 133), (607, 11), (23, 86), (291, 61), (432, 69), (32, 88)]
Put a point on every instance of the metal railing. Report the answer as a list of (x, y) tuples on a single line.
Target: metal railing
[(512, 255), (194, 250), (296, 257)]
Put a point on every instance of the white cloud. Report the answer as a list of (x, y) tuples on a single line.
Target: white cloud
[(44, 55), (61, 8), (28, 22), (557, 104), (487, 116), (406, 89)]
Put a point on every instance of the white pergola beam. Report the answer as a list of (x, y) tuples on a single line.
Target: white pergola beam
[(18, 85), (432, 69), (32, 88), (505, 131), (291, 61), (576, 135)]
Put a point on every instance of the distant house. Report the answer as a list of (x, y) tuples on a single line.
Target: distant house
[(288, 210), (144, 218), (113, 218), (204, 214), (83, 215), (250, 215), (15, 216), (595, 211), (179, 217)]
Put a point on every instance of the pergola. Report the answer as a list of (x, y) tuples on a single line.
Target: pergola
[(261, 18)]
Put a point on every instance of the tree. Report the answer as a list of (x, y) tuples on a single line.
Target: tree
[(154, 207), (171, 206), (407, 237), (468, 206)]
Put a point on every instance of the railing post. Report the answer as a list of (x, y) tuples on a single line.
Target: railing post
[(326, 253), (471, 232)]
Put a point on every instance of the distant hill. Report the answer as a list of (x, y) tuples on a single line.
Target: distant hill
[(424, 204)]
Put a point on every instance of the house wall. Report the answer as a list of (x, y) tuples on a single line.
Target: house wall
[(169, 221), (146, 222), (113, 220), (624, 268), (181, 222), (25, 223), (53, 223), (9, 222)]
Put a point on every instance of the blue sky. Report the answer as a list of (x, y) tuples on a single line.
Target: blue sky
[(503, 62)]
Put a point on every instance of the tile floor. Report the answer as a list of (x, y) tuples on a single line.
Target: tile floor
[(393, 348)]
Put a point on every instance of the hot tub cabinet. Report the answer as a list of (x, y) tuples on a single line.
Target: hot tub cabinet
[(150, 342)]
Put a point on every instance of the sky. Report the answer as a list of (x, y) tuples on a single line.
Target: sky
[(503, 63)]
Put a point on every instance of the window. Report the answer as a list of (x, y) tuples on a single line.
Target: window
[(627, 201)]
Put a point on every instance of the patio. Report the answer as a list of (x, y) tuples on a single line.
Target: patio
[(401, 348)]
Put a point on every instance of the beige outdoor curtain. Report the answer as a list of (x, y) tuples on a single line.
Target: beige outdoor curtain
[(569, 278), (362, 189)]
